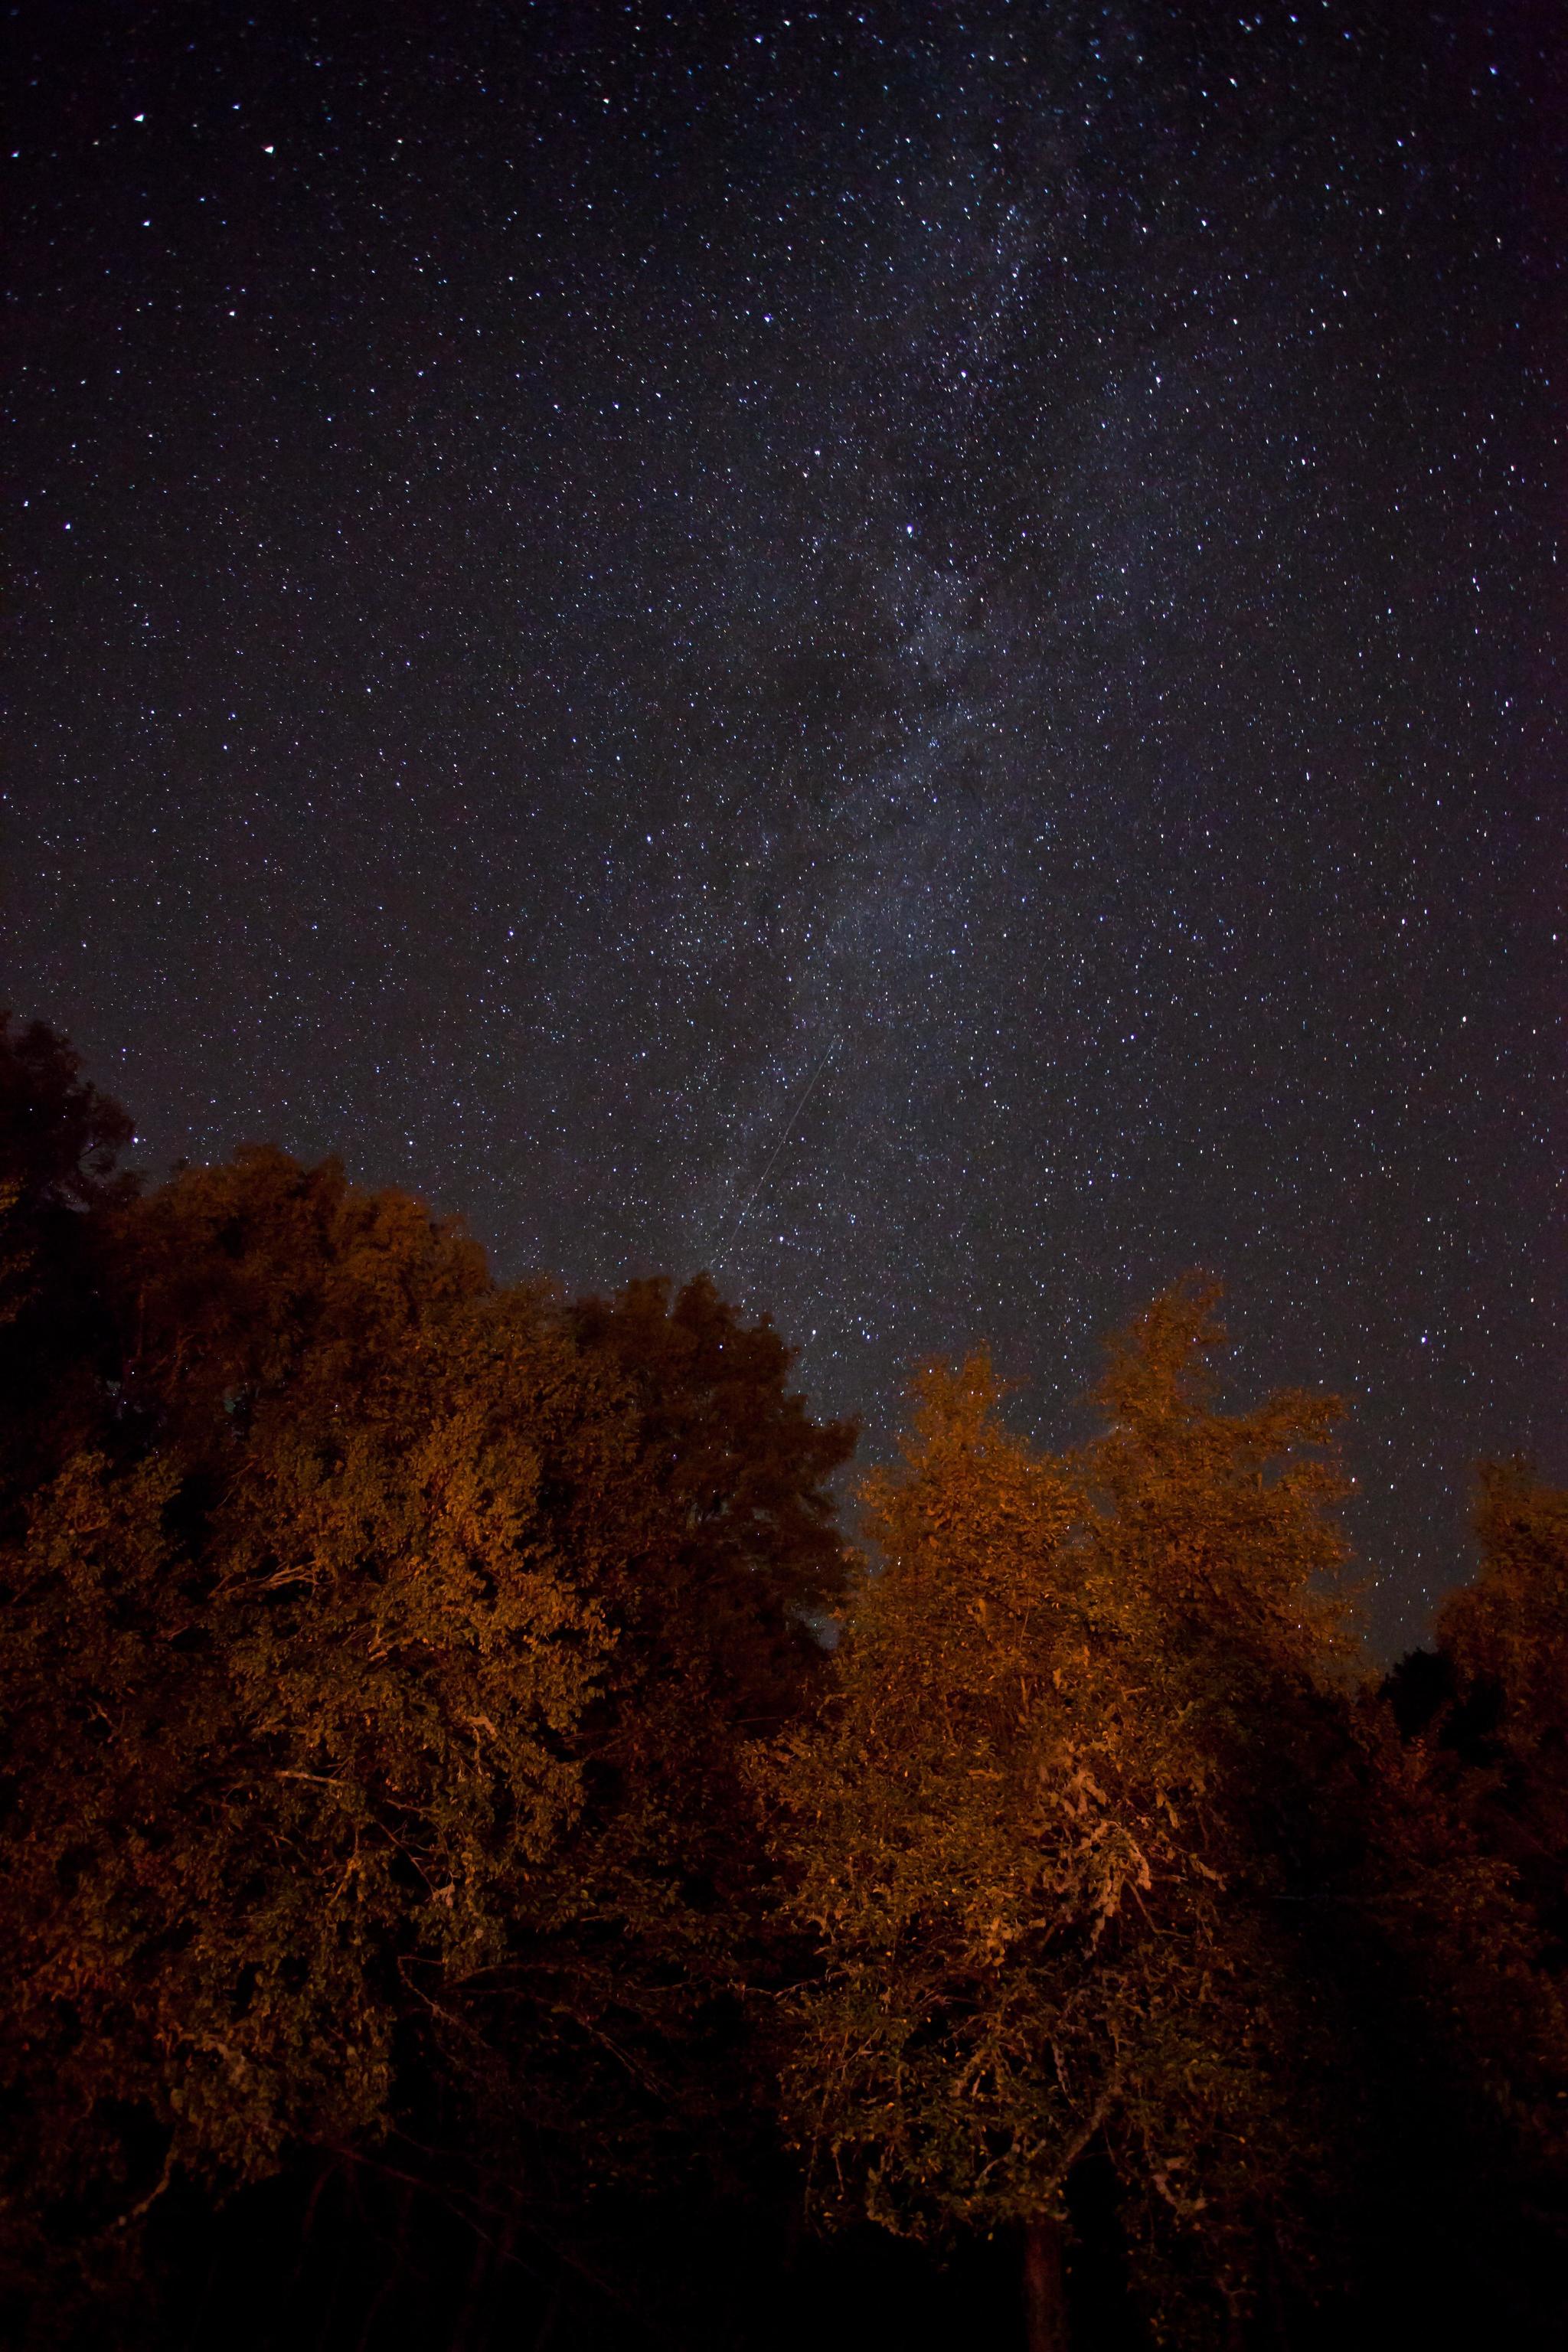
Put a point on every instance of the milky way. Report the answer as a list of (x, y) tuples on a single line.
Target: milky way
[(912, 651)]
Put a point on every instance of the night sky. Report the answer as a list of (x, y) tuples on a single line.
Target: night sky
[(909, 651)]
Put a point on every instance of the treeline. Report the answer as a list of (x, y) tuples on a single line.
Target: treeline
[(485, 1862)]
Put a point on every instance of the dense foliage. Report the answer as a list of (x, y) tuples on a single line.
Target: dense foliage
[(479, 1851), (1112, 1874), (1049, 1831)]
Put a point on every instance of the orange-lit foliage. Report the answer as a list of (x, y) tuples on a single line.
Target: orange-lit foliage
[(368, 1688), (1046, 1830), (391, 1663), (292, 1674)]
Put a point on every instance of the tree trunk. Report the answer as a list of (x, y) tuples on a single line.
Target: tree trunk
[(1045, 2286)]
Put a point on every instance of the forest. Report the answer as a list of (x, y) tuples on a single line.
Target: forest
[(507, 1843)]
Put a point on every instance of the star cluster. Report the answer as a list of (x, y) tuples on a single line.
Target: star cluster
[(910, 652)]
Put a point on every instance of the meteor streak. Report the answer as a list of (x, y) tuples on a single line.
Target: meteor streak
[(804, 1097)]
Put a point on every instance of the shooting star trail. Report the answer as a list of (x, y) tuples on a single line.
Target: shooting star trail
[(804, 1097)]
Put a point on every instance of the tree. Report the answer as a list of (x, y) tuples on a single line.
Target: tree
[(718, 1638), (1484, 1713), (1047, 1829), (294, 1663), (373, 1677), (717, 1613), (1504, 1640), (59, 1141), (745, 1470), (1469, 1878)]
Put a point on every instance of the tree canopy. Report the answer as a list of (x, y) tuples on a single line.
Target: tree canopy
[(460, 1795), (61, 1140), (365, 1685), (1038, 1828)]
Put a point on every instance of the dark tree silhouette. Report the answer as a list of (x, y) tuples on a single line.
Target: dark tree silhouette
[(61, 1140)]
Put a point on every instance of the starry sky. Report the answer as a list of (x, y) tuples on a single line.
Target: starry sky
[(910, 651)]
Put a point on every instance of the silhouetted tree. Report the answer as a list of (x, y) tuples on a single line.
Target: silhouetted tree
[(59, 1141), (1467, 1880), (718, 1617), (716, 1645), (746, 1471), (1504, 1639)]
